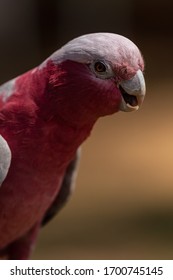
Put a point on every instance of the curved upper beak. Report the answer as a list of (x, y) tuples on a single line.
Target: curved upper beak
[(133, 92)]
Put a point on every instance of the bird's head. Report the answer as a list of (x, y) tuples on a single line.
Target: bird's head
[(96, 75)]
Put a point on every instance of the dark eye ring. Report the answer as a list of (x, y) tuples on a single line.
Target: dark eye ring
[(99, 67)]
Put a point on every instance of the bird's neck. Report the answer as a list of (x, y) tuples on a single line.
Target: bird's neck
[(35, 85), (56, 91)]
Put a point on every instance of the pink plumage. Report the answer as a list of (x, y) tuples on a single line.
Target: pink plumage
[(45, 116)]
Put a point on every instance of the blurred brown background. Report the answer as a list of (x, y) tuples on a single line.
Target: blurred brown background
[(123, 204)]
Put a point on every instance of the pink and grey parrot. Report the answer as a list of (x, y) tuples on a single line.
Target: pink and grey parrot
[(45, 115)]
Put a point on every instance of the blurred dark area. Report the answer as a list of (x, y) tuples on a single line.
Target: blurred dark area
[(123, 204)]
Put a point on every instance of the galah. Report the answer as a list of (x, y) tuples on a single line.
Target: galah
[(45, 115)]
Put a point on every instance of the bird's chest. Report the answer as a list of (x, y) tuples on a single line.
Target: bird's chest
[(38, 164), (33, 181), (39, 161), (35, 176)]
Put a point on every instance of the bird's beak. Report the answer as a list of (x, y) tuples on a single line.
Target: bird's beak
[(133, 92)]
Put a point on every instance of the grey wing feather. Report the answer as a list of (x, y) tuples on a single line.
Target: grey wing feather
[(65, 191), (5, 159)]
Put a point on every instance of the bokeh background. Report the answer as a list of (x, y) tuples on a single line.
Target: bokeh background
[(123, 204)]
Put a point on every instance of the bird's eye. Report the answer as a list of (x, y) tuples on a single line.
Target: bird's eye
[(100, 67)]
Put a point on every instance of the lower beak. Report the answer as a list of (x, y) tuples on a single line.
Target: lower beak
[(133, 92)]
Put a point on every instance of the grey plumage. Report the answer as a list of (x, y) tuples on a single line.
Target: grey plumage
[(5, 159)]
